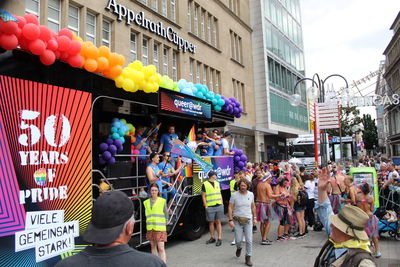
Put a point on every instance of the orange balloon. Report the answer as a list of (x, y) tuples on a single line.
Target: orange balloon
[(121, 60), (113, 59), (102, 64), (90, 65), (133, 139), (84, 49), (115, 71), (104, 51), (92, 52)]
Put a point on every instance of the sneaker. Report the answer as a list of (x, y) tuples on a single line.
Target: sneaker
[(210, 241), (219, 243), (303, 235), (233, 243), (280, 239), (254, 228), (269, 242), (264, 242), (378, 255), (287, 237), (299, 235)]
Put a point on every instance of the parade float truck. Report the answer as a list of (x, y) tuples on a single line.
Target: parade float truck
[(52, 122)]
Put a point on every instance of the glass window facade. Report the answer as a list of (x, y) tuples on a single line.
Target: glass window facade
[(73, 19), (54, 14), (32, 7), (286, 114), (133, 46), (91, 28), (106, 33)]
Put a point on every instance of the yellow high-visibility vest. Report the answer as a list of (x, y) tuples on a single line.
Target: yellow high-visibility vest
[(155, 216), (232, 186), (213, 194)]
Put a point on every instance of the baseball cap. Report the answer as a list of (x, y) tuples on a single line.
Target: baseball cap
[(212, 173), (227, 133), (109, 214)]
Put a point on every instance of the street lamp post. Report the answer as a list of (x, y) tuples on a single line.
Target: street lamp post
[(320, 85)]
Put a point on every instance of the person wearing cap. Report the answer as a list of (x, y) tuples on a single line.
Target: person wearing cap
[(212, 201), (156, 222), (348, 245), (225, 143), (109, 232)]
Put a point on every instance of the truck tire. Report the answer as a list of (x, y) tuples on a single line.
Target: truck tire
[(194, 226)]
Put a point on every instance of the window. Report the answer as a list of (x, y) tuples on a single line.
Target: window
[(196, 20), (198, 72), (243, 97), (173, 10), (191, 67), (214, 30), (209, 29), (156, 55), (205, 72), (174, 65), (236, 47), (133, 46), (32, 7), (190, 15), (165, 61), (210, 84), (203, 15), (164, 7), (217, 80), (54, 12), (145, 52), (154, 5), (239, 92), (73, 19), (91, 28), (106, 33)]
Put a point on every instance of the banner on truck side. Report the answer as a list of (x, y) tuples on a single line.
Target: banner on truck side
[(45, 163)]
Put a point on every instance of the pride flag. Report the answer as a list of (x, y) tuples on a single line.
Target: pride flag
[(185, 171), (181, 149), (192, 135)]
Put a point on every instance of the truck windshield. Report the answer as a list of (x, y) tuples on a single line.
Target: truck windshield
[(303, 151)]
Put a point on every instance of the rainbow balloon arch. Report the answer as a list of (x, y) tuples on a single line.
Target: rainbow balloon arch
[(25, 33)]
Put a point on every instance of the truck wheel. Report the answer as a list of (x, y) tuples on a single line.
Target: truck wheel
[(194, 226)]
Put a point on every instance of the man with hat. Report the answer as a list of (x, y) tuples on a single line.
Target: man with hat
[(212, 201), (110, 230), (348, 245)]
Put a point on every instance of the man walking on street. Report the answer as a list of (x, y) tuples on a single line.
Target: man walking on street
[(212, 201)]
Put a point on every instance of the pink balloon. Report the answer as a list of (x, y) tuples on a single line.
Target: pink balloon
[(37, 47), (75, 48), (52, 45), (31, 31), (75, 61), (65, 32), (30, 18), (47, 57), (136, 152), (45, 33), (64, 43), (8, 41), (21, 21)]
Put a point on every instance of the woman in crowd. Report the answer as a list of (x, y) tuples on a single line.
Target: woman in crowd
[(242, 216), (309, 185), (365, 201), (283, 209), (297, 204), (156, 222), (350, 191)]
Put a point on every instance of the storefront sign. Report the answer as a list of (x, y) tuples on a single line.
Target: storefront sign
[(365, 101), (45, 158), (171, 102), (222, 165), (158, 28)]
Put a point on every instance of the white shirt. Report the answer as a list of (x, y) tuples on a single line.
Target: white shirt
[(225, 144), (310, 187), (393, 174)]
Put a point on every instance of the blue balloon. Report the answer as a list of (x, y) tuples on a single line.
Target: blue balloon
[(217, 108), (110, 141), (221, 102), (111, 161), (214, 102), (200, 95), (114, 129), (237, 158), (218, 96), (102, 161), (121, 132), (115, 119), (116, 124), (115, 136), (106, 155), (122, 139), (243, 157), (239, 152), (181, 84)]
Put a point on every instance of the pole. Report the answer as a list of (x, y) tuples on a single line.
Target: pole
[(315, 137), (340, 134)]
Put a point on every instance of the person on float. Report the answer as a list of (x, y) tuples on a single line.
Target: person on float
[(154, 173), (225, 144), (168, 172), (167, 142)]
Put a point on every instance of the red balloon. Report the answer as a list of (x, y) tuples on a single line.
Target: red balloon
[(31, 31), (45, 33), (9, 27), (65, 32), (8, 41), (23, 43), (47, 57), (30, 18), (64, 56), (63, 43), (37, 47), (21, 21), (18, 33), (57, 53), (52, 45), (74, 48), (75, 61)]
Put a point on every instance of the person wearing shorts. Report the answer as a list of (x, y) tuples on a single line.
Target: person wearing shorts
[(212, 201)]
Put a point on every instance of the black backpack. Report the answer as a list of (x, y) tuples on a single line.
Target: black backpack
[(302, 198)]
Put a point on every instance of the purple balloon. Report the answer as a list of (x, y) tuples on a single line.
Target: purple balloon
[(107, 155), (110, 141), (243, 157), (117, 142), (237, 158), (232, 99), (111, 161), (240, 109), (103, 147), (235, 111), (238, 115), (120, 149), (102, 161), (241, 164), (244, 168), (239, 152), (237, 169), (112, 149)]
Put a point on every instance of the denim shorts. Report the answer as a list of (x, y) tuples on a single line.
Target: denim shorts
[(215, 213)]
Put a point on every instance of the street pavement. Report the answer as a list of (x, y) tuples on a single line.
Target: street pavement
[(300, 252)]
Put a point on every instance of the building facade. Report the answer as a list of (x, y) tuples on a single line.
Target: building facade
[(278, 62), (392, 77), (381, 89), (215, 37)]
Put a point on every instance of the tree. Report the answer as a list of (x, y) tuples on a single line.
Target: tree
[(370, 133), (349, 117)]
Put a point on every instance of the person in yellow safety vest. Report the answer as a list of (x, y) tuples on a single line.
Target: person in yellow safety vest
[(156, 222), (232, 183), (212, 201)]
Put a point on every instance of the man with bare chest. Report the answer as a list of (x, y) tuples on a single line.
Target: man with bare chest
[(337, 187)]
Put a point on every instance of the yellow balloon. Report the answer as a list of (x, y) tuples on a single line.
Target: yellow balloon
[(119, 81), (152, 79), (137, 76), (152, 69), (147, 72), (128, 85), (137, 65)]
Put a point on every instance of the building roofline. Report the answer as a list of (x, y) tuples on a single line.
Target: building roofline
[(394, 38), (395, 21)]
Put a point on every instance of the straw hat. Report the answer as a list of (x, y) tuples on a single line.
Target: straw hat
[(351, 220)]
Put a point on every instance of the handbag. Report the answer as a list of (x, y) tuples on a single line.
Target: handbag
[(242, 220)]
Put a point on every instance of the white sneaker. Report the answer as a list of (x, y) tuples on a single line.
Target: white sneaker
[(233, 242)]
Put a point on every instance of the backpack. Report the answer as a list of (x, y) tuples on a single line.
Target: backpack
[(354, 256), (302, 198)]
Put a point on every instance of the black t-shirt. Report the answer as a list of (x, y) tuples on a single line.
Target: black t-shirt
[(115, 256), (203, 188)]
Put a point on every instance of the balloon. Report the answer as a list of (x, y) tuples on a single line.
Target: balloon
[(47, 57), (239, 152), (9, 27), (31, 31), (136, 152), (45, 33), (121, 132), (115, 71), (133, 139), (237, 158), (241, 164), (115, 135), (114, 129), (119, 81), (214, 102), (21, 21), (74, 48), (235, 110), (122, 139), (64, 43), (104, 51), (90, 65), (52, 45), (118, 142), (128, 85), (30, 18), (116, 124), (103, 147), (221, 102), (110, 141), (75, 61), (92, 52), (65, 32), (102, 161), (238, 115), (102, 64), (217, 108), (113, 58), (112, 149), (8, 41), (237, 169), (37, 47), (120, 148), (106, 155), (111, 161), (243, 157)]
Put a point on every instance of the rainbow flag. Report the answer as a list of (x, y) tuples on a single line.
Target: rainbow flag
[(192, 135), (185, 171)]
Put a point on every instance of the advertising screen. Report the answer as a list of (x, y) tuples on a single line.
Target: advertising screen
[(45, 163)]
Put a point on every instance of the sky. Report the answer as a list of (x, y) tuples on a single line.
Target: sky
[(346, 37)]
